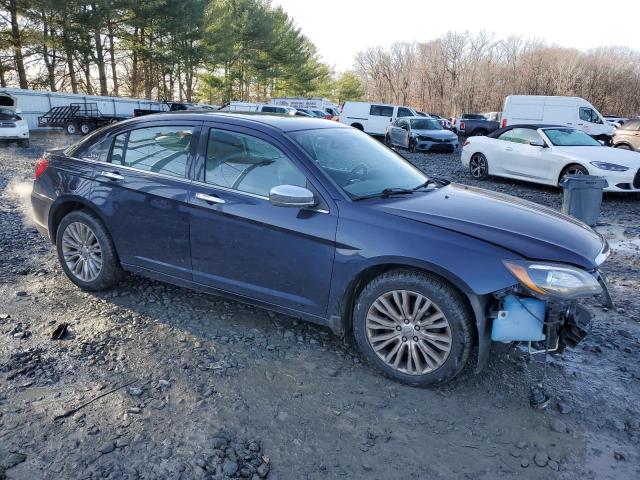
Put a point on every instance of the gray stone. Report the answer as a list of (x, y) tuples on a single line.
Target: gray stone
[(135, 391), (219, 442), (229, 467), (263, 469), (107, 447), (14, 459), (558, 426), (541, 459)]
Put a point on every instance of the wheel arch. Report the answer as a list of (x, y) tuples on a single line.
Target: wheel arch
[(358, 125), (569, 164), (478, 305), (65, 205)]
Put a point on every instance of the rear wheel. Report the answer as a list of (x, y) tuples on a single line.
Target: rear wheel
[(71, 128), (573, 169), (480, 132), (479, 167), (358, 126), (414, 327), (85, 128), (86, 252)]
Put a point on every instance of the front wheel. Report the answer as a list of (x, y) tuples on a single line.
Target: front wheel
[(479, 167), (86, 252), (573, 169), (71, 128), (23, 143), (414, 327), (412, 146), (387, 141)]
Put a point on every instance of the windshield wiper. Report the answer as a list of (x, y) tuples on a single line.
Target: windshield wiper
[(433, 180), (386, 193)]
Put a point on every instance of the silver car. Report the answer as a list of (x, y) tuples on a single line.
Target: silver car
[(421, 134)]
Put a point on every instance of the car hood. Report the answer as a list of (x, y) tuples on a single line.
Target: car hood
[(526, 228), (435, 133), (603, 154)]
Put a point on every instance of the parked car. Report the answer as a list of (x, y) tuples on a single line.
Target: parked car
[(308, 103), (315, 113), (258, 107), (545, 154), (421, 134), (614, 120), (446, 123), (474, 124), (574, 112), (627, 137), (321, 222), (373, 118), (13, 127)]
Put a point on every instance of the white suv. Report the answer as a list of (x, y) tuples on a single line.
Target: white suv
[(373, 118)]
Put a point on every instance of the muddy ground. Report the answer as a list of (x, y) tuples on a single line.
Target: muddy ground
[(211, 388)]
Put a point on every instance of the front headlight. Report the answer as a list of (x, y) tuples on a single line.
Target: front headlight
[(610, 166), (554, 280)]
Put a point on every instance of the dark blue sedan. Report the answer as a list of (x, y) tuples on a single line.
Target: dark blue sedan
[(317, 220)]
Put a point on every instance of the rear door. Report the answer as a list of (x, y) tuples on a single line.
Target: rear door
[(240, 242), (380, 116), (143, 194)]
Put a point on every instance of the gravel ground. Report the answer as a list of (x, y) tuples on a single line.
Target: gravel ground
[(153, 381)]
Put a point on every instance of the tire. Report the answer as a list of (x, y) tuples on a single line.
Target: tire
[(23, 143), (480, 132), (412, 146), (85, 128), (71, 128), (69, 232), (479, 167), (387, 141), (572, 169), (623, 146), (358, 126), (455, 324)]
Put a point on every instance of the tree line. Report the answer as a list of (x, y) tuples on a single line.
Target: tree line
[(462, 72), (208, 50)]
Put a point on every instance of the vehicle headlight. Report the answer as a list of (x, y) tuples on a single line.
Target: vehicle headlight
[(554, 279), (610, 166)]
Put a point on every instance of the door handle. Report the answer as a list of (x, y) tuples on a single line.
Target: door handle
[(112, 176), (508, 149), (209, 198)]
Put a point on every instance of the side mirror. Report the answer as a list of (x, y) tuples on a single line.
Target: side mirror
[(291, 196), (538, 143)]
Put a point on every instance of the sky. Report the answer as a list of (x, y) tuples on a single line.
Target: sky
[(341, 28)]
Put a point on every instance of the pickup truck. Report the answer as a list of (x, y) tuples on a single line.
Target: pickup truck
[(474, 124)]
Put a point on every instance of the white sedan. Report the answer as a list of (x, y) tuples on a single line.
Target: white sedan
[(545, 154)]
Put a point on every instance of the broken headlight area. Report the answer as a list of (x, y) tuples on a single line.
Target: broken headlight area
[(541, 324)]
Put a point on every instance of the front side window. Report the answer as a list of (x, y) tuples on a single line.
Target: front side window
[(163, 149), (248, 164), (381, 111), (358, 164), (589, 115), (568, 137), (405, 112)]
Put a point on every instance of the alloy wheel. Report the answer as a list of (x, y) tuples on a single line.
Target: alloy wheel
[(575, 171), (478, 166), (82, 252), (408, 332)]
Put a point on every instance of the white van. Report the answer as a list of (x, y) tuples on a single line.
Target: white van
[(574, 112), (257, 107), (373, 118)]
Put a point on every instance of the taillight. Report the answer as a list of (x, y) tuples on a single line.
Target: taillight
[(504, 122), (41, 165), (467, 142), (461, 125)]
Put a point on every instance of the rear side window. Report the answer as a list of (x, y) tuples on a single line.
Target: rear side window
[(163, 149), (248, 164), (405, 112), (97, 152), (381, 111)]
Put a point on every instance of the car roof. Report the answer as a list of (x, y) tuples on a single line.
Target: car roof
[(284, 123)]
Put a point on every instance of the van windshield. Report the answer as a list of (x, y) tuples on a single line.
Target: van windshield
[(359, 165), (568, 137)]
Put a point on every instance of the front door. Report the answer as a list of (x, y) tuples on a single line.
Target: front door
[(240, 242), (143, 193), (527, 161)]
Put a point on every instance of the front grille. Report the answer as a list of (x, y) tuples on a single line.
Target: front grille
[(636, 180), (7, 125)]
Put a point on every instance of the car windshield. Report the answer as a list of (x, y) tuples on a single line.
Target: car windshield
[(425, 124), (568, 137), (358, 164)]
